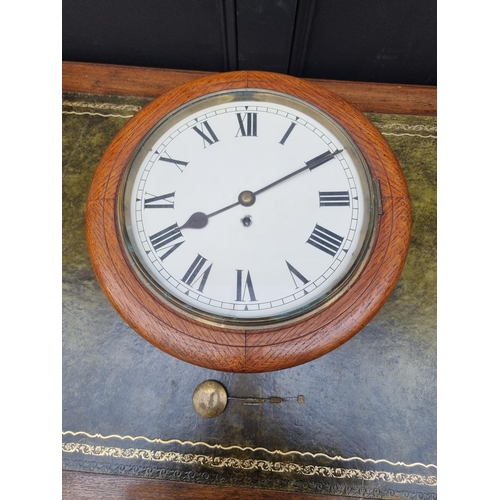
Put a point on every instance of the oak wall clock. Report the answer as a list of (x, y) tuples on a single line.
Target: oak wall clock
[(248, 222)]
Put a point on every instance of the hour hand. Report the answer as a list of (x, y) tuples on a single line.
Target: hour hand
[(197, 221)]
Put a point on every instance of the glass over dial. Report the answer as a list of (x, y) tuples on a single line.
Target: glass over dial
[(247, 207)]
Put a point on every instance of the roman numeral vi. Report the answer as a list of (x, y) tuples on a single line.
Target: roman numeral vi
[(244, 286)]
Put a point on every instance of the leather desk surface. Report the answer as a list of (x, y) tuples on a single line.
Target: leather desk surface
[(368, 425)]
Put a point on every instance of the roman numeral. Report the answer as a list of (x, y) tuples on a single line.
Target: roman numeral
[(287, 133), (181, 165), (206, 128), (165, 239), (295, 274), (162, 201), (248, 129), (334, 199), (194, 274), (242, 287), (325, 240)]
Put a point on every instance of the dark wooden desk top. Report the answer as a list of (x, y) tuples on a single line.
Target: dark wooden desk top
[(129, 427)]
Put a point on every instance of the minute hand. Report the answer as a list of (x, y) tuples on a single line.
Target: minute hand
[(247, 198), (311, 165)]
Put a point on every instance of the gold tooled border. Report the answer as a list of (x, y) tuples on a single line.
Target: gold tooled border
[(247, 464), (404, 129)]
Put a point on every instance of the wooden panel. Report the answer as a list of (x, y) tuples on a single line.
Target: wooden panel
[(384, 41), (152, 82), (158, 33), (85, 486), (265, 32), (302, 31)]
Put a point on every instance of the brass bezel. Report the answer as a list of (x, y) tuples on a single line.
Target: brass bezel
[(304, 312)]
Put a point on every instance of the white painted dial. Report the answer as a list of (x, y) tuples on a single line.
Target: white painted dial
[(248, 206)]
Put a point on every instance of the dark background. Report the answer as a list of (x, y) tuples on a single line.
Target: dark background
[(384, 41)]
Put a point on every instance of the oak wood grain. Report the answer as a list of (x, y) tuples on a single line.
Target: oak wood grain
[(217, 346), (367, 97), (87, 486)]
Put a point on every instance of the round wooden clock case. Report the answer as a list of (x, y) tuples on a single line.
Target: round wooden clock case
[(212, 340)]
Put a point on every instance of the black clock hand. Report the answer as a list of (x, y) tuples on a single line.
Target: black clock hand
[(311, 165), (199, 219), (247, 198)]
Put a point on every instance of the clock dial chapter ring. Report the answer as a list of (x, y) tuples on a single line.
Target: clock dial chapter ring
[(248, 302), (240, 346)]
